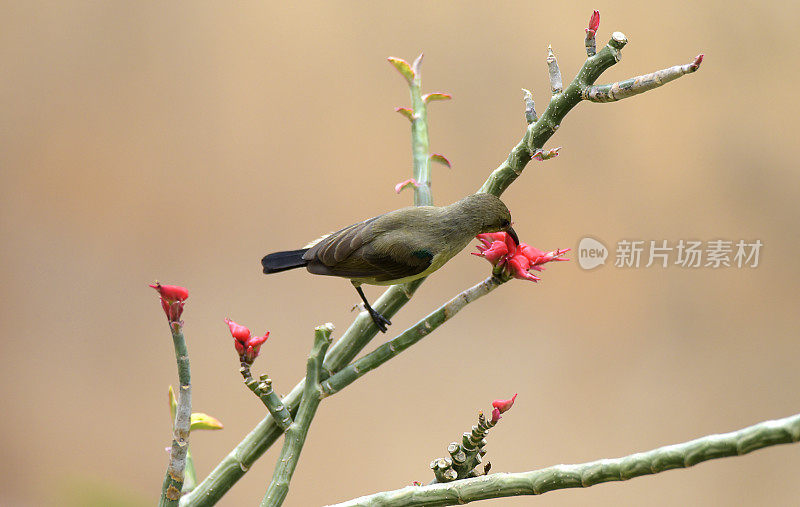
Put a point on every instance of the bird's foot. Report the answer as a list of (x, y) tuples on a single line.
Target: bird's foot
[(379, 320)]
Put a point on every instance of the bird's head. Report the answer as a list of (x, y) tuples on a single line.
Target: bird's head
[(491, 213)]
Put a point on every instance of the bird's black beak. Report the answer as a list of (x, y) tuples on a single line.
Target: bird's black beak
[(511, 232)]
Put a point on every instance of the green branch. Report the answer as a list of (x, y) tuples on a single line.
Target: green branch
[(537, 482), (298, 430), (263, 389), (173, 480)]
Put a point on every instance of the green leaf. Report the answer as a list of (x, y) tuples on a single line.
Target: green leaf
[(430, 97), (408, 113), (201, 421), (438, 157), (173, 403), (403, 67)]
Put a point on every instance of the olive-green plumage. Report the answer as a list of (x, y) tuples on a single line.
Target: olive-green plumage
[(399, 246)]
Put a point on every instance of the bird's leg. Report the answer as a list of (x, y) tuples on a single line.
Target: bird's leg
[(379, 319)]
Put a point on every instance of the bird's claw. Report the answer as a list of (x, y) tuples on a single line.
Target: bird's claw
[(380, 320)]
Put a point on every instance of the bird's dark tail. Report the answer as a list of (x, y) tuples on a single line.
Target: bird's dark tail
[(281, 261)]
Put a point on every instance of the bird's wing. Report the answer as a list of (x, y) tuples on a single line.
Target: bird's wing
[(361, 251)]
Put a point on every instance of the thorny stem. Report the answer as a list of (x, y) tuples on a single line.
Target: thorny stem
[(537, 482), (464, 456), (298, 430), (263, 389), (173, 480)]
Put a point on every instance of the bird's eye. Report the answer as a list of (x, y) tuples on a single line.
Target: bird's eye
[(504, 223)]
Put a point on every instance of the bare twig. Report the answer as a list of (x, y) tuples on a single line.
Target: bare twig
[(530, 107), (639, 84), (555, 73)]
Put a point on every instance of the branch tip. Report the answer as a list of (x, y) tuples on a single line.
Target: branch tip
[(618, 40), (556, 84), (697, 61), (416, 66)]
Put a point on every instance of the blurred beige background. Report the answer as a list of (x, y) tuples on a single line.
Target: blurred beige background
[(181, 141)]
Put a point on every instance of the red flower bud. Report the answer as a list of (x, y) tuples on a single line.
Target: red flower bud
[(496, 253), (238, 332), (697, 61), (489, 237), (253, 345), (594, 22), (247, 346), (172, 300), (504, 405), (495, 416), (518, 266)]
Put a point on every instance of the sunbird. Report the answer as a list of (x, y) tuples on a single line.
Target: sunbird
[(399, 246)]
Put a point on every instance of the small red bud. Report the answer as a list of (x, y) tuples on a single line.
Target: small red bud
[(172, 300), (495, 253), (246, 345), (504, 405), (238, 331), (519, 265), (495, 416), (697, 61), (594, 22), (239, 347), (253, 345)]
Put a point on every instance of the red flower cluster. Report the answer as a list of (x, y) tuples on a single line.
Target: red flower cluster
[(173, 298), (499, 249), (501, 406), (246, 345)]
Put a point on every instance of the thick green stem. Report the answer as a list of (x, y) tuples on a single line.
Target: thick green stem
[(409, 337), (173, 480), (298, 430), (537, 482)]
